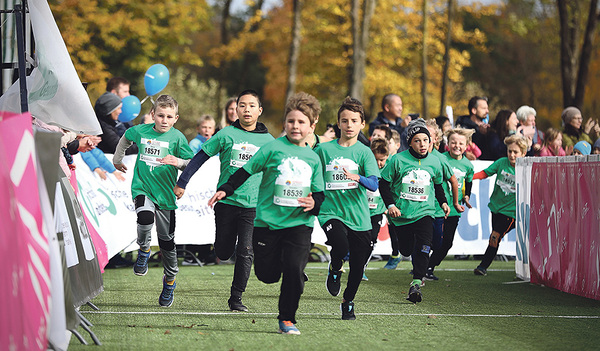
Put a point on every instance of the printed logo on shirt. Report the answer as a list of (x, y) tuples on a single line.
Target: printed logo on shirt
[(241, 154), (506, 182), (460, 178), (293, 182), (416, 185), (372, 198), (335, 178), (152, 151)]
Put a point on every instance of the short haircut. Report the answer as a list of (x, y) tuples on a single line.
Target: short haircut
[(387, 130), (520, 140), (396, 136), (467, 133), (474, 101), (249, 92), (431, 123), (205, 118), (305, 103), (114, 83), (551, 135), (524, 111), (441, 120), (387, 99), (352, 104), (380, 146), (166, 101)]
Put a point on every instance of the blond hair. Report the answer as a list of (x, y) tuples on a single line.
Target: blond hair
[(467, 133), (521, 142), (205, 118), (431, 123)]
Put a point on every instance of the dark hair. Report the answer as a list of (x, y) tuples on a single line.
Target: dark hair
[(440, 120), (499, 124), (352, 104), (474, 101), (387, 99), (386, 129), (249, 92), (114, 83), (380, 146)]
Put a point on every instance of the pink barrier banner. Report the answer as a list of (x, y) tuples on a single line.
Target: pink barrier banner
[(24, 246), (564, 236)]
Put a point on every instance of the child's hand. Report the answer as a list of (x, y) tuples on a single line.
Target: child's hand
[(121, 167), (351, 176), (219, 195), (119, 176), (466, 201), (101, 173), (178, 191), (458, 207), (394, 212), (169, 160), (307, 202), (446, 209)]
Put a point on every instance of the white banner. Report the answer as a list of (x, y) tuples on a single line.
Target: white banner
[(523, 180)]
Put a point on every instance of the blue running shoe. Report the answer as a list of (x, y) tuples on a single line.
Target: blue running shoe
[(141, 265), (364, 278), (392, 263), (287, 327), (333, 283), (166, 296)]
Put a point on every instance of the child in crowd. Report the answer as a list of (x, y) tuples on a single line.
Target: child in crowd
[(503, 200), (291, 193), (458, 139), (163, 150), (596, 148), (380, 150), (409, 183), (349, 170), (394, 143), (206, 129), (100, 164), (553, 144), (234, 216), (582, 148)]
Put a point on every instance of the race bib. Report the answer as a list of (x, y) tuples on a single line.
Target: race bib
[(152, 151), (373, 198), (416, 185), (241, 154), (293, 182), (335, 178)]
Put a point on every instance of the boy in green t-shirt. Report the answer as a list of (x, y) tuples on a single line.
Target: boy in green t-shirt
[(163, 150), (458, 139), (234, 216), (409, 183), (290, 195), (503, 200), (349, 170)]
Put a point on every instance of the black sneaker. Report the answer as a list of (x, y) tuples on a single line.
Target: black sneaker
[(430, 276), (480, 271), (347, 309), (334, 282), (414, 294), (236, 305)]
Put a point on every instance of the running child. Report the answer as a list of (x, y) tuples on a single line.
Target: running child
[(234, 216), (162, 150), (291, 193), (458, 139), (409, 183), (503, 200), (349, 170)]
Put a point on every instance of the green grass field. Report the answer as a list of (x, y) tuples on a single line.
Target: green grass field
[(460, 311)]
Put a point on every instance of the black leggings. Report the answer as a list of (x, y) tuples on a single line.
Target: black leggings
[(415, 239), (448, 231)]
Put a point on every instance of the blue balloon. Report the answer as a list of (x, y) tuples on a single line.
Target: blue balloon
[(131, 108), (156, 79)]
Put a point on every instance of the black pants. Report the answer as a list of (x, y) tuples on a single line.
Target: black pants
[(449, 230), (283, 252), (375, 227), (344, 240), (416, 237), (501, 225), (234, 225), (393, 239)]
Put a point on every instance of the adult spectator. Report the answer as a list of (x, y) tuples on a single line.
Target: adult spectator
[(108, 109), (391, 115), (478, 112), (504, 125), (120, 87), (574, 131), (526, 116), (229, 114)]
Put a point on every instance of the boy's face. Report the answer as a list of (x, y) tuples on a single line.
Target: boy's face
[(378, 133), (381, 159), (433, 133), (207, 128), (577, 152), (350, 124), (297, 127), (420, 143), (393, 146), (596, 151), (164, 118), (457, 145), (514, 152), (248, 110)]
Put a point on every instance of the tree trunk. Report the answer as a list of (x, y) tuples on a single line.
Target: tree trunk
[(360, 42), (425, 112), (586, 54), (225, 25), (447, 57), (243, 79), (294, 49)]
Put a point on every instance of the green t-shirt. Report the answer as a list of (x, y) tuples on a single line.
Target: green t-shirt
[(376, 204), (150, 177), (412, 180), (447, 174), (289, 172), (503, 199), (346, 200), (235, 147), (463, 170)]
